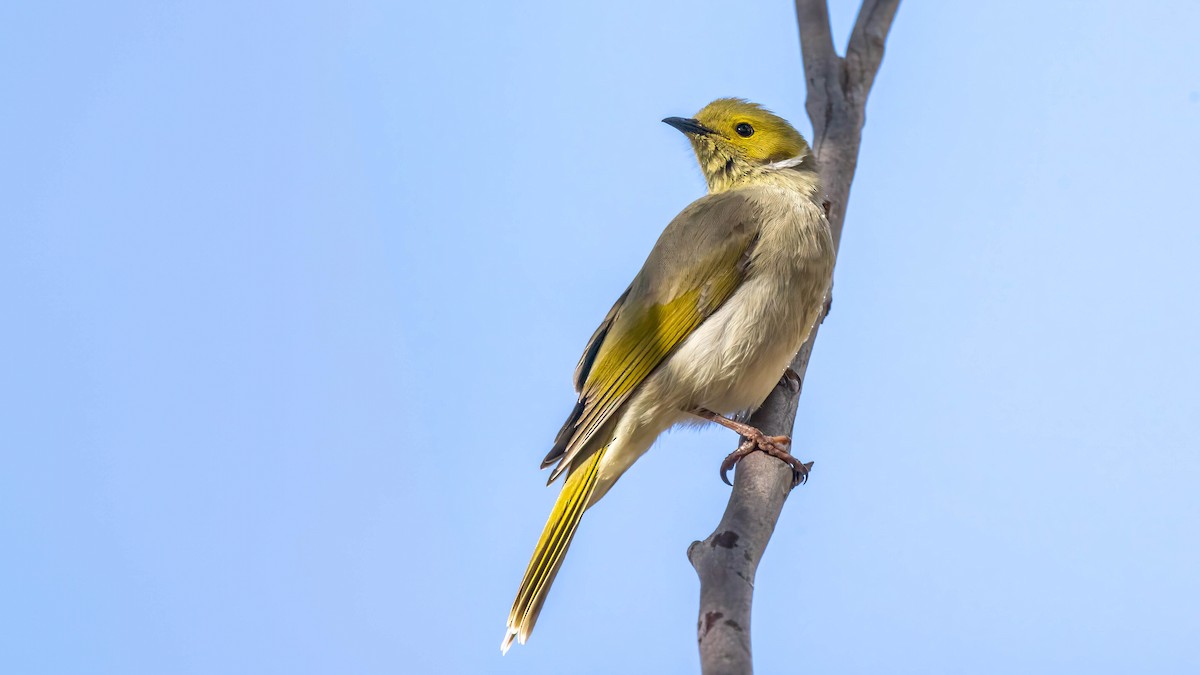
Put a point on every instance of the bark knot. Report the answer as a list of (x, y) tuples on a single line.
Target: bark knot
[(726, 539), (710, 618)]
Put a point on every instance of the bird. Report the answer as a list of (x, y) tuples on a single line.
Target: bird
[(708, 327)]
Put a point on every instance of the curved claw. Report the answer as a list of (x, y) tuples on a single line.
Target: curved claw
[(800, 471), (748, 446)]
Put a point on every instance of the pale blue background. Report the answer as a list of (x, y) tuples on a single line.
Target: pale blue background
[(292, 294)]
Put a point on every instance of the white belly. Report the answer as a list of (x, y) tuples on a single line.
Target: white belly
[(734, 359)]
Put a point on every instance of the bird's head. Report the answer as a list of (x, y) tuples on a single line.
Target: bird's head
[(734, 138)]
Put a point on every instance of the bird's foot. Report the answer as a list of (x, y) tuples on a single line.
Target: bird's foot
[(790, 380), (775, 446)]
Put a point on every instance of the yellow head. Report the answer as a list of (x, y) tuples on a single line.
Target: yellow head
[(734, 138)]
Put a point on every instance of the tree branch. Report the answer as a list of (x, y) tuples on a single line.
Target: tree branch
[(727, 560)]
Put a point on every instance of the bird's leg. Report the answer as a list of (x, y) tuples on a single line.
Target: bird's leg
[(743, 429), (775, 446)]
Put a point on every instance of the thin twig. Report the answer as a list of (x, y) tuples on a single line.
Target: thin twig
[(865, 51)]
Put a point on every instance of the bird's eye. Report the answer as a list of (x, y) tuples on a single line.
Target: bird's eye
[(744, 130)]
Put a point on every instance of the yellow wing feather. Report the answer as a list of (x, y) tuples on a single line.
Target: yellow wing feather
[(670, 297)]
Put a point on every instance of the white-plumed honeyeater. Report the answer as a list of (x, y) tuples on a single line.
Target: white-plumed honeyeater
[(709, 325)]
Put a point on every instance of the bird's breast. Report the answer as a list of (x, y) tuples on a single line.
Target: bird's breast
[(733, 360)]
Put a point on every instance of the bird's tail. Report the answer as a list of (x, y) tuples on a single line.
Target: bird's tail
[(551, 547)]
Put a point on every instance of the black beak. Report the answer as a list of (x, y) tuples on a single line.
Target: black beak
[(689, 126)]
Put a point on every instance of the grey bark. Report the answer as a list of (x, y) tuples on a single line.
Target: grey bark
[(727, 560)]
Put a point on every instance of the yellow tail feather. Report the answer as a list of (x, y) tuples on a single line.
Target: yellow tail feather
[(551, 547)]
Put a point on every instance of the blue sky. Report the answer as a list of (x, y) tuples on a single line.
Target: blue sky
[(294, 292)]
